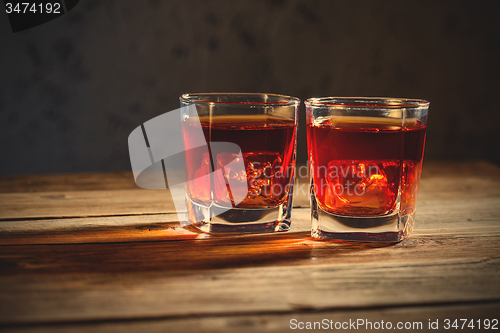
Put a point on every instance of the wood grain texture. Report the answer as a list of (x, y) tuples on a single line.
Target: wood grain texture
[(283, 322), (101, 284), (464, 194), (84, 203), (178, 278), (458, 218), (107, 194), (67, 182), (65, 270)]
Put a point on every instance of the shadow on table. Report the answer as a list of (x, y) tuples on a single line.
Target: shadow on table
[(166, 248)]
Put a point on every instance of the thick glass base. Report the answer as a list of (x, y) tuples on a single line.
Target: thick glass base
[(219, 220), (389, 228)]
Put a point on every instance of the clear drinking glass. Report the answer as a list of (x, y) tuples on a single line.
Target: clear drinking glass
[(365, 158), (241, 179)]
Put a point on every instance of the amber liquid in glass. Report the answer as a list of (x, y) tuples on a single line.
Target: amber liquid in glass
[(267, 147), (361, 166)]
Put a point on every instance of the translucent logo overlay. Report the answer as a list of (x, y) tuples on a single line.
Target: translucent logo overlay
[(158, 150)]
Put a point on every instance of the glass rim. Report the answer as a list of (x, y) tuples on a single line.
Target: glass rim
[(367, 102), (204, 98)]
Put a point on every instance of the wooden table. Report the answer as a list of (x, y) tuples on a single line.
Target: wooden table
[(92, 252)]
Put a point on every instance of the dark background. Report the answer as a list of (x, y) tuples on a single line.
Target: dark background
[(73, 89)]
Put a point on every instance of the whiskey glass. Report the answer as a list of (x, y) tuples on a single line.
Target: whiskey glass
[(365, 158), (240, 161)]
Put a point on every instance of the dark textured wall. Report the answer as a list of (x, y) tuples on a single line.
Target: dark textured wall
[(72, 90)]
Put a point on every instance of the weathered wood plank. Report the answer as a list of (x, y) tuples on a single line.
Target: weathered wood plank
[(124, 180), (74, 203), (84, 203), (462, 181), (67, 182), (413, 316), (240, 275), (208, 252), (433, 217), (93, 230), (145, 271)]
